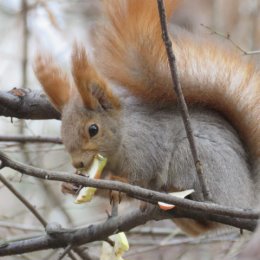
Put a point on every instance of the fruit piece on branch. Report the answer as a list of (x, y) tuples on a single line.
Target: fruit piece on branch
[(94, 172), (179, 194), (116, 252)]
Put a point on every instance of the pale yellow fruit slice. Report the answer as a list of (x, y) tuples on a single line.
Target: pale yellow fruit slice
[(86, 193), (121, 245), (179, 194)]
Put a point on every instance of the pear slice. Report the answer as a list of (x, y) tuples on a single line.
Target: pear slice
[(121, 244), (86, 193), (116, 252)]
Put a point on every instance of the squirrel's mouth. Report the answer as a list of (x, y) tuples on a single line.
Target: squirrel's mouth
[(93, 168), (73, 188), (82, 172)]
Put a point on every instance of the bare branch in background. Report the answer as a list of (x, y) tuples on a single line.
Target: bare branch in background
[(228, 37), (23, 200), (26, 104)]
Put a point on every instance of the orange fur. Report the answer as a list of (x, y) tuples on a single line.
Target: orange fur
[(130, 51), (53, 80), (92, 88), (130, 46)]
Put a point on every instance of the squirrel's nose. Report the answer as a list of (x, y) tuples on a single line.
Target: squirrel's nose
[(78, 164)]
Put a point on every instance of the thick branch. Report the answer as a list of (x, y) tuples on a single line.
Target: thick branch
[(181, 101), (26, 104), (63, 237), (78, 237), (130, 190)]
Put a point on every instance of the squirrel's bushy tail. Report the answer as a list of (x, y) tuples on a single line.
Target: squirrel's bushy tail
[(130, 51), (129, 47)]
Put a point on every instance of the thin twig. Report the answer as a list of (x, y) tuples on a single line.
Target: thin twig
[(19, 238), (151, 231), (81, 252), (65, 252), (71, 255), (29, 139), (23, 200), (228, 37), (181, 101), (25, 42), (24, 69), (114, 203), (28, 205), (11, 225), (181, 241)]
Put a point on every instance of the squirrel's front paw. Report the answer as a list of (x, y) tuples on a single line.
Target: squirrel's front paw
[(69, 188), (115, 197)]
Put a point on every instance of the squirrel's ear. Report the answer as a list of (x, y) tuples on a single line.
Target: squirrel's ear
[(92, 88), (53, 80)]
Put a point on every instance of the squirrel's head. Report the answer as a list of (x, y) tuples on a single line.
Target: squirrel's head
[(90, 112)]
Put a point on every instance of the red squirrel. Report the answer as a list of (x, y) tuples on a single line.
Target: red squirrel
[(122, 106)]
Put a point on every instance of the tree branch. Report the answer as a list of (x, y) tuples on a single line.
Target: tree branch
[(64, 237), (31, 208), (181, 101), (130, 190), (26, 104), (78, 237), (65, 252), (59, 237), (23, 200)]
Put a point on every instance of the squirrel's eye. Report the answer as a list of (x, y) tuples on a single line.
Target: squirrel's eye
[(93, 130)]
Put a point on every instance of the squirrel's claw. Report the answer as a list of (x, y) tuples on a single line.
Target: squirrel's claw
[(115, 196), (69, 188)]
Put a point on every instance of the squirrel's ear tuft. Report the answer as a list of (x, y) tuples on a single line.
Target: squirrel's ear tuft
[(53, 80), (92, 88)]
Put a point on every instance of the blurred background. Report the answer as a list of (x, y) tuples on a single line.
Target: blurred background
[(27, 26)]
